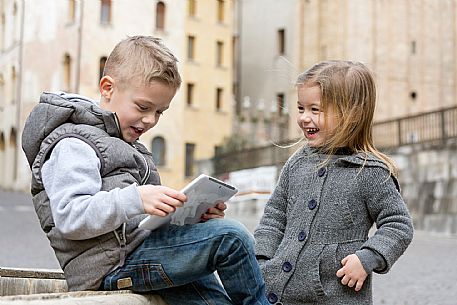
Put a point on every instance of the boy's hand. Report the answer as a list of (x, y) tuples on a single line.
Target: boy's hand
[(216, 212), (352, 272), (160, 200)]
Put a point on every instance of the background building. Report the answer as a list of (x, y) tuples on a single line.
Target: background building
[(410, 45), (52, 45)]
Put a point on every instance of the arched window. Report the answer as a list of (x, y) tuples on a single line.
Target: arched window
[(160, 15), (158, 151), (66, 72), (13, 137), (102, 67), (2, 141)]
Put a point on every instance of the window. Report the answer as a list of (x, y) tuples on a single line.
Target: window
[(102, 67), (191, 5), (220, 10), (13, 85), (2, 38), (219, 96), (105, 12), (158, 151), (2, 91), (2, 141), (190, 94), (280, 103), (67, 72), (160, 15), (71, 11), (190, 150), (219, 53), (191, 47), (15, 23), (281, 41)]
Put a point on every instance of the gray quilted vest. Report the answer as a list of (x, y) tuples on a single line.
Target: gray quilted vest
[(86, 262)]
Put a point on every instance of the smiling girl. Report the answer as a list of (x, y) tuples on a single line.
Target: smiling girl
[(312, 241)]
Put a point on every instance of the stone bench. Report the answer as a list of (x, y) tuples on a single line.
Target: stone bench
[(40, 287)]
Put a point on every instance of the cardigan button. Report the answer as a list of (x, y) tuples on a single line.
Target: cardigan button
[(286, 267), (321, 171), (312, 204), (272, 298), (302, 236)]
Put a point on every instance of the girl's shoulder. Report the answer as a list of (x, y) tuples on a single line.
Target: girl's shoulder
[(372, 167), (368, 160)]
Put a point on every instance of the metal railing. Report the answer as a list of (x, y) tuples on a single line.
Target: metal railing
[(431, 127)]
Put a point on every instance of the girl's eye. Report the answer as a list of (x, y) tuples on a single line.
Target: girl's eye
[(315, 109), (300, 109)]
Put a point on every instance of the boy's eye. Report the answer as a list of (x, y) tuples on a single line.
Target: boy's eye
[(142, 108)]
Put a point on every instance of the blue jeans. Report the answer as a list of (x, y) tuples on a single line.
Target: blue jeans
[(178, 263)]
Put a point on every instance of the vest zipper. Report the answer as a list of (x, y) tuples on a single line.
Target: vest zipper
[(148, 170)]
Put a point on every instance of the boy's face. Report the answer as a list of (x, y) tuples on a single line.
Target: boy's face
[(137, 107), (316, 125)]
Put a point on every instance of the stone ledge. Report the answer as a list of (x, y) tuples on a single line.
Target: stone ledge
[(42, 287), (123, 297)]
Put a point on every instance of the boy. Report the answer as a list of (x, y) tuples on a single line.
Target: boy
[(92, 181)]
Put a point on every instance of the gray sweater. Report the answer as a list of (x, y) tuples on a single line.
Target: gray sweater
[(318, 215)]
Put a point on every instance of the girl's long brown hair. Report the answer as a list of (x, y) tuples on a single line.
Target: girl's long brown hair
[(349, 89)]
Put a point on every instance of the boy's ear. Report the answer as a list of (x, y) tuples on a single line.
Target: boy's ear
[(106, 86)]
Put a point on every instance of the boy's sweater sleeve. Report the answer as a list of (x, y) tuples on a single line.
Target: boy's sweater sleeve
[(270, 231), (73, 184), (394, 224)]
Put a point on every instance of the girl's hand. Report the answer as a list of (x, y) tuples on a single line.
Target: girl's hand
[(160, 200), (216, 212), (352, 272)]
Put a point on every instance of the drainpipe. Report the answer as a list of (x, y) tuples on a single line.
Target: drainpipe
[(80, 35), (19, 93)]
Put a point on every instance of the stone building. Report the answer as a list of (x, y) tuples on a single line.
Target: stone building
[(408, 44), (52, 45)]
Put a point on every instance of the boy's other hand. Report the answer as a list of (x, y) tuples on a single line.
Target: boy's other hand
[(160, 200), (352, 272), (216, 212)]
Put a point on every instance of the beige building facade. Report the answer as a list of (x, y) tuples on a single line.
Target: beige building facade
[(410, 45), (53, 45)]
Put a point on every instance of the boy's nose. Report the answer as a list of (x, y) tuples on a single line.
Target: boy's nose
[(149, 120)]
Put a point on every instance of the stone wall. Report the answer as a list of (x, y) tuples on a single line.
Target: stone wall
[(428, 178)]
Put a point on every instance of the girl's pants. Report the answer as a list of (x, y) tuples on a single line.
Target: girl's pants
[(178, 263)]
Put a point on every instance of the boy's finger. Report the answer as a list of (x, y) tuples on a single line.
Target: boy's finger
[(174, 193)]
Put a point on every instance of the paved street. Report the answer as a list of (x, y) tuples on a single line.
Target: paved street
[(425, 275)]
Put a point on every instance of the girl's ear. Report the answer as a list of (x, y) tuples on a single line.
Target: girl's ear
[(106, 87)]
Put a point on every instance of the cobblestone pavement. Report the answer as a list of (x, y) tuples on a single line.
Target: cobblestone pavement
[(425, 275)]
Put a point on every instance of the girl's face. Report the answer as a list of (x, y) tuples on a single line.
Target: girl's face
[(311, 119)]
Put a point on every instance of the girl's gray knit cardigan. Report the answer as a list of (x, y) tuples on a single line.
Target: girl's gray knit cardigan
[(318, 215)]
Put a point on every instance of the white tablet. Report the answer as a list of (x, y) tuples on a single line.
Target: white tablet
[(202, 193)]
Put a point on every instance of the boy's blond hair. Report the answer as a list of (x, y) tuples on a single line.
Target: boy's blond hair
[(142, 59), (348, 88)]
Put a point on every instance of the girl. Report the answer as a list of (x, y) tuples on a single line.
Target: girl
[(312, 241)]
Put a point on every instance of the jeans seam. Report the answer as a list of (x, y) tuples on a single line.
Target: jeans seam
[(203, 298)]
